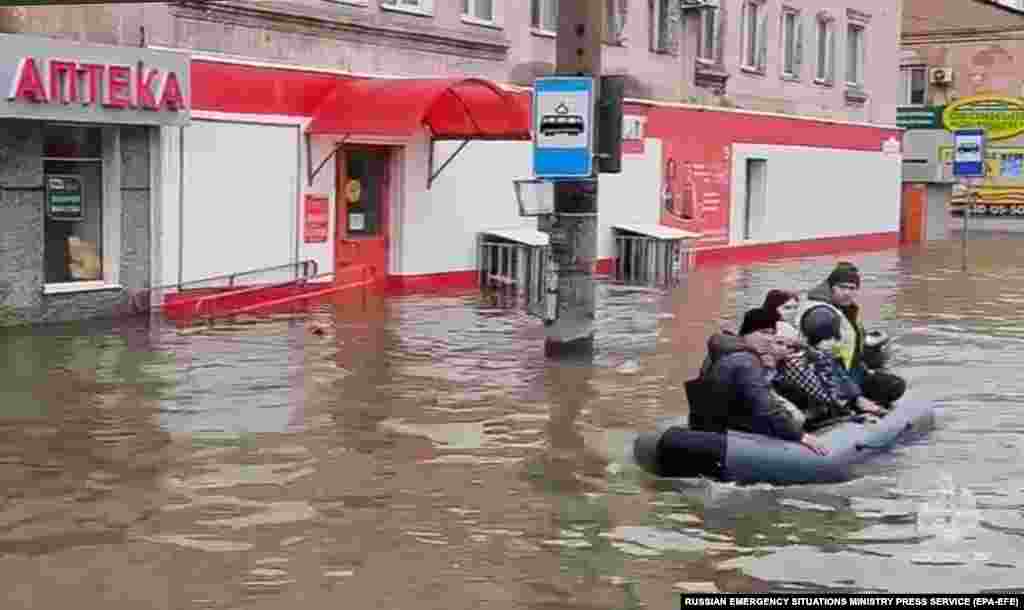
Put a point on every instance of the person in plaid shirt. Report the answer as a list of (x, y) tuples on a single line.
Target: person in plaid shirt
[(811, 377)]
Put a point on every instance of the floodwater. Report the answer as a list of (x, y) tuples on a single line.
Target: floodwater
[(421, 453)]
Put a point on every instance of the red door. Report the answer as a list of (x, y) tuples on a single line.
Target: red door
[(363, 182)]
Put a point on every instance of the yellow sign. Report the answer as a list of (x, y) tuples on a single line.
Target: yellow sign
[(1003, 186), (1001, 117), (353, 191)]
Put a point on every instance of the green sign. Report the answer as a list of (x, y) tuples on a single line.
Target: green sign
[(1000, 117), (920, 117), (64, 197)]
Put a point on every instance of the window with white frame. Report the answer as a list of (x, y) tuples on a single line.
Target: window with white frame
[(914, 85), (792, 43), (544, 15), (480, 10), (413, 6), (753, 34), (855, 54), (825, 51), (707, 36)]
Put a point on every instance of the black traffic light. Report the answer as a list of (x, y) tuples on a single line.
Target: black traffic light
[(611, 92)]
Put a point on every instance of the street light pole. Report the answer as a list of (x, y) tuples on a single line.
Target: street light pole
[(572, 228)]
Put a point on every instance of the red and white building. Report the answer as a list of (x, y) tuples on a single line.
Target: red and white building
[(786, 149), (270, 148)]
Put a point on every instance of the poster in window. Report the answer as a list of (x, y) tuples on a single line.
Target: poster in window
[(64, 197), (317, 219)]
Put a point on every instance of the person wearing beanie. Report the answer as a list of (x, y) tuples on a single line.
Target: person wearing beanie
[(760, 320), (835, 299), (736, 391), (786, 303), (837, 296)]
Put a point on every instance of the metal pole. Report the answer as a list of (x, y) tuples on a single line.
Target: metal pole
[(573, 228), (971, 198), (181, 206)]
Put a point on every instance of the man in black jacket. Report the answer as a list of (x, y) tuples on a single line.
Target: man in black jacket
[(737, 382)]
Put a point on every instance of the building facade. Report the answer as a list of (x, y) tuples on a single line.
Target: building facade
[(308, 140), (956, 59), (798, 57), (78, 129)]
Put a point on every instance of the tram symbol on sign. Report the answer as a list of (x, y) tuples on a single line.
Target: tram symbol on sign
[(561, 122), (563, 110)]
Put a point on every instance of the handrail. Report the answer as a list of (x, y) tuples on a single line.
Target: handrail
[(367, 279), (197, 307), (309, 268)]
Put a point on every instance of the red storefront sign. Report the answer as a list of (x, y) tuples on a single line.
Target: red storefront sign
[(317, 218), (112, 86)]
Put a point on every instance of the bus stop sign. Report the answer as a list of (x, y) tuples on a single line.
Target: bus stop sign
[(563, 142), (969, 153)]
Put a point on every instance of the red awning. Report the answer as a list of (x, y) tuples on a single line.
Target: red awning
[(457, 108)]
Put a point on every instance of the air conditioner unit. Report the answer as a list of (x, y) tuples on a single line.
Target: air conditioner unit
[(941, 76)]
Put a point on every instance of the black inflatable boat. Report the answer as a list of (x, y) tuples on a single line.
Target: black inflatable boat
[(673, 450)]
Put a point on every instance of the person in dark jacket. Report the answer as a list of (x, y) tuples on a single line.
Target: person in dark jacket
[(837, 296), (738, 383)]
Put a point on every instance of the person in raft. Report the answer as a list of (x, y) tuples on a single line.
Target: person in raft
[(814, 380), (837, 296), (737, 392)]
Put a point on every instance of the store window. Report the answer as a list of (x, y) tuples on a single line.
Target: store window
[(72, 204)]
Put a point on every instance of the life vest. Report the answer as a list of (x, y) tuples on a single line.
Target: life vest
[(847, 332)]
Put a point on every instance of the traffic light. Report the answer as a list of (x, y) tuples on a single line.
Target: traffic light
[(611, 92)]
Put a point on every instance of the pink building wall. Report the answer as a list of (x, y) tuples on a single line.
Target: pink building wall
[(773, 92), (362, 36)]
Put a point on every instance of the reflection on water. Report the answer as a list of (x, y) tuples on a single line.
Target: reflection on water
[(422, 452)]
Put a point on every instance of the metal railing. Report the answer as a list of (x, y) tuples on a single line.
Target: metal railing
[(651, 261), (203, 307), (143, 300), (515, 271), (226, 305)]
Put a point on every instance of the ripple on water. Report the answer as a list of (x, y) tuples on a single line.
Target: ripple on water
[(200, 542), (649, 541)]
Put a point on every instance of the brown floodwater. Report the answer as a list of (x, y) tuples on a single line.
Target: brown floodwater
[(422, 453)]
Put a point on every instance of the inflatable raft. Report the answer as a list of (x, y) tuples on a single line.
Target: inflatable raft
[(673, 450)]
